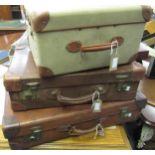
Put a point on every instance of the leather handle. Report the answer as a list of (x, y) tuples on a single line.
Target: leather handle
[(75, 131), (78, 100), (98, 128), (77, 46), (71, 101)]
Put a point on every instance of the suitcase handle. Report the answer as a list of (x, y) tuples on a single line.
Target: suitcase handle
[(70, 101), (77, 46), (98, 128), (79, 100)]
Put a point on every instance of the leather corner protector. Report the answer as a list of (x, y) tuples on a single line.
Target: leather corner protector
[(17, 106), (10, 126), (132, 58), (45, 72), (147, 12), (12, 83), (39, 21)]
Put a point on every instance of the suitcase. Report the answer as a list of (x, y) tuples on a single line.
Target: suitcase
[(26, 129), (80, 37), (115, 139), (28, 90)]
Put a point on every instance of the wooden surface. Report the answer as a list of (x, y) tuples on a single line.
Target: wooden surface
[(7, 38), (114, 139), (5, 12), (147, 86)]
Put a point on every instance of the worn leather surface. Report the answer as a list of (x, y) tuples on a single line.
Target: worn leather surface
[(74, 87), (114, 138), (28, 72), (55, 123)]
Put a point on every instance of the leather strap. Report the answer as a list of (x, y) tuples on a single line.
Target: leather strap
[(98, 128)]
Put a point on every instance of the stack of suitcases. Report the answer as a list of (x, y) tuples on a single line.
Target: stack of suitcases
[(78, 76)]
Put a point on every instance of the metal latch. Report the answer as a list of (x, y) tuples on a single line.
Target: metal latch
[(35, 134), (125, 113), (30, 92), (123, 87)]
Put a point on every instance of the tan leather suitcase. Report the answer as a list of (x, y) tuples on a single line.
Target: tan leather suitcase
[(114, 138), (28, 90), (26, 129)]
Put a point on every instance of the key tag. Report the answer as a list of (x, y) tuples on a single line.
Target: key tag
[(96, 102), (113, 56)]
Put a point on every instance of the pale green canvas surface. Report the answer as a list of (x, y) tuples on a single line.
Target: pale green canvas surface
[(49, 48), (96, 17), (86, 15)]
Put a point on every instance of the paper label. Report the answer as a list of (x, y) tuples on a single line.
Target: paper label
[(114, 64), (97, 106)]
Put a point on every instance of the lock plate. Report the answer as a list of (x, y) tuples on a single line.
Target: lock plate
[(125, 113), (123, 87), (36, 133), (30, 91)]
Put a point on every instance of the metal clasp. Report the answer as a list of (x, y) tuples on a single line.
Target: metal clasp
[(30, 92), (125, 113), (123, 87), (35, 135)]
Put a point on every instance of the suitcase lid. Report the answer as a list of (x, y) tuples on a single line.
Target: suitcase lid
[(82, 14), (17, 77), (17, 124)]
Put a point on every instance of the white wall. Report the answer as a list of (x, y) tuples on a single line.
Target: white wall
[(2, 91)]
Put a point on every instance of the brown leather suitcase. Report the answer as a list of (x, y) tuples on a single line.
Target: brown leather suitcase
[(30, 128), (28, 90)]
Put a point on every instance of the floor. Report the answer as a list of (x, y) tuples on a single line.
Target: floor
[(7, 38)]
